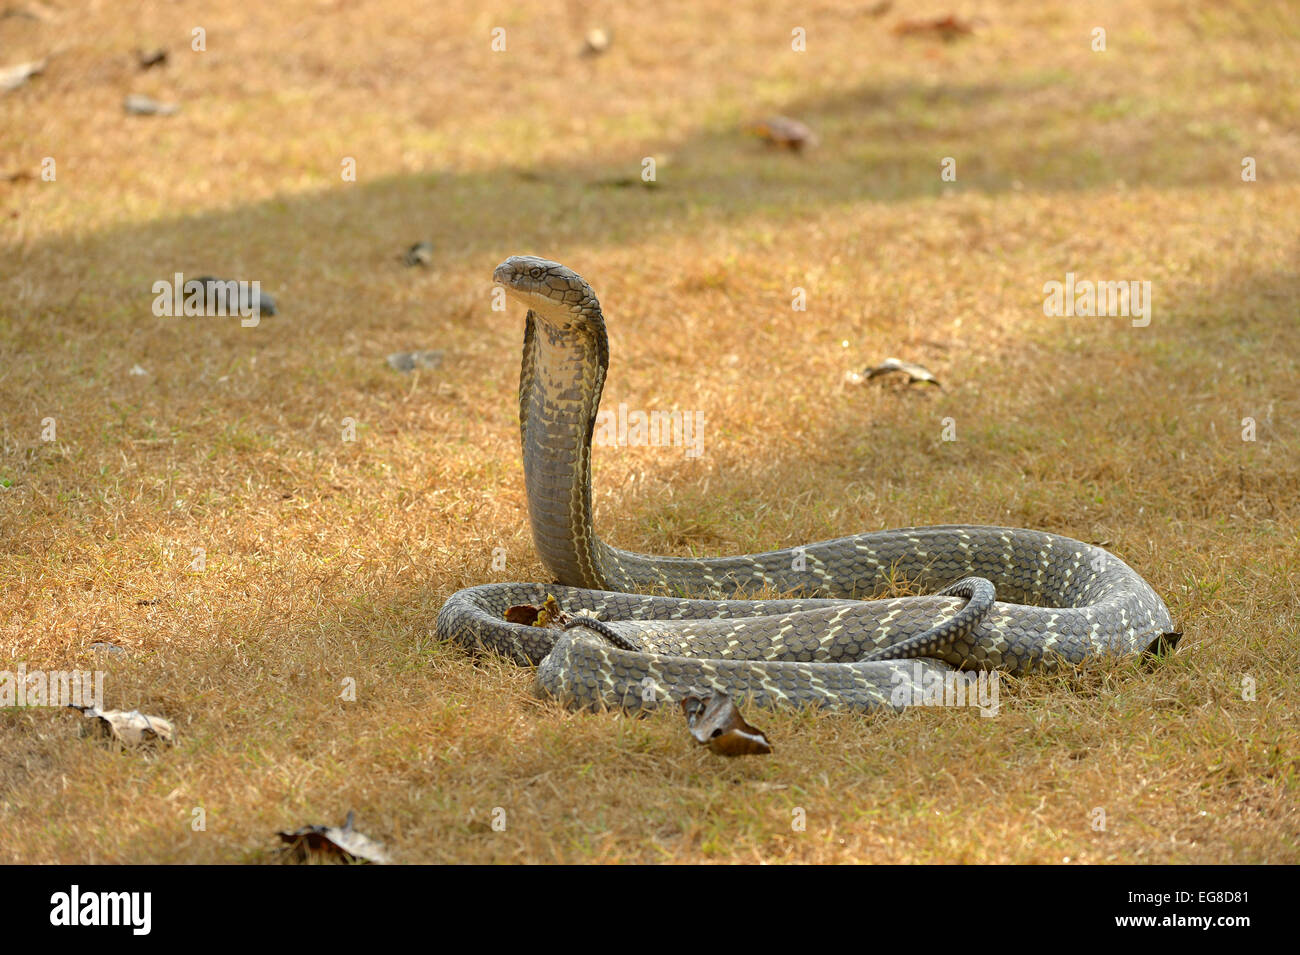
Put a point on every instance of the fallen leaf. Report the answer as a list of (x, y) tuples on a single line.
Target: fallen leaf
[(784, 132), (548, 614), (12, 77), (30, 11), (336, 843), (948, 28), (716, 723), (525, 614), (129, 727), (913, 371)]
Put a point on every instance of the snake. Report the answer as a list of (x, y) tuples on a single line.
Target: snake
[(622, 630)]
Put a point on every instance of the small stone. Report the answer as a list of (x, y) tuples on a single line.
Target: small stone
[(595, 42), (411, 360), (139, 105), (419, 254), (151, 58)]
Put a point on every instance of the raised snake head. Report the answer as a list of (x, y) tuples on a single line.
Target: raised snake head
[(556, 294)]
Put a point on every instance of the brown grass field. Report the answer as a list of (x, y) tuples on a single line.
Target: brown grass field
[(327, 561)]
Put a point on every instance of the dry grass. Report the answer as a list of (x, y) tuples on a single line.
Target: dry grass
[(328, 560)]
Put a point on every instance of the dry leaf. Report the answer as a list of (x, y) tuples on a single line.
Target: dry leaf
[(129, 727), (548, 614), (522, 613), (784, 132), (948, 28), (12, 77), (336, 843), (913, 371), (716, 723), (30, 11)]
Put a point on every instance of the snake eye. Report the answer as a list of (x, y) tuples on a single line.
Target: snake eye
[(537, 271)]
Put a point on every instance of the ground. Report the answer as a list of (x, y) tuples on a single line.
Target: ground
[(325, 561)]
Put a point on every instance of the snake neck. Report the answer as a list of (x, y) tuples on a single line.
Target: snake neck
[(560, 385)]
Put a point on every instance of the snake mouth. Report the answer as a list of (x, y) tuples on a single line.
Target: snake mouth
[(504, 275), (524, 278)]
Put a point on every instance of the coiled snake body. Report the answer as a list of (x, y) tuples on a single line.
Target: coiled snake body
[(1058, 599)]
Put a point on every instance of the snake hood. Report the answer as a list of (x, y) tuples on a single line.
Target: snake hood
[(566, 355)]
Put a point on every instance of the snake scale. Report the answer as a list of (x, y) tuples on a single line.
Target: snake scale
[(1022, 599)]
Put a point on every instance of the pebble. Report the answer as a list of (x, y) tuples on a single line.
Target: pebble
[(139, 105), (420, 254), (411, 360)]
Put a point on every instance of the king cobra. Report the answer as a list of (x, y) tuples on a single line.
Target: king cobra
[(601, 641)]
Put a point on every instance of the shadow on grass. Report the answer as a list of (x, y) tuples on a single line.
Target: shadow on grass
[(878, 144)]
